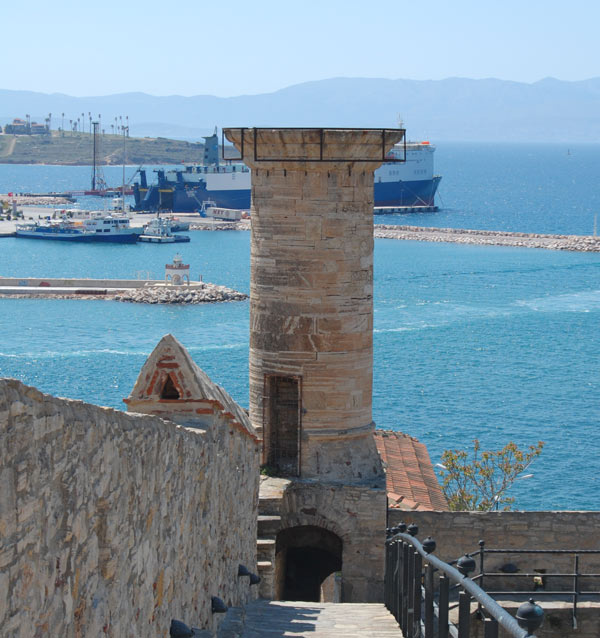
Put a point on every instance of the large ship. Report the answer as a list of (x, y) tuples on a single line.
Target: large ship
[(409, 184)]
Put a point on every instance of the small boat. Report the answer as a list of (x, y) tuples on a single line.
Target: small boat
[(98, 229), (112, 228), (59, 230), (158, 231)]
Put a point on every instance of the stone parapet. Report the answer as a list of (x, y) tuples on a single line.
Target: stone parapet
[(457, 533), (112, 523)]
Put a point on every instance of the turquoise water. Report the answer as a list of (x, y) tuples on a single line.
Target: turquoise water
[(489, 342)]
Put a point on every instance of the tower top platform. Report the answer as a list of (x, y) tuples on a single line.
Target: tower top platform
[(314, 145)]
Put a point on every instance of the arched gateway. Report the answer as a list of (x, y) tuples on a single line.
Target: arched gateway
[(307, 558)]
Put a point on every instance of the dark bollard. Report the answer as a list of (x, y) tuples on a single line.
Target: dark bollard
[(465, 565), (429, 545), (254, 579), (412, 529), (530, 616), (243, 570), (180, 630), (217, 605)]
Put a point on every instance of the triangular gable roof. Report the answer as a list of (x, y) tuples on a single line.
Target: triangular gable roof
[(170, 366)]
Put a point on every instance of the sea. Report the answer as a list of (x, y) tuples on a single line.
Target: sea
[(494, 343)]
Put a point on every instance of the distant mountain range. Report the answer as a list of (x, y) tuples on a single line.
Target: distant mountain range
[(442, 110)]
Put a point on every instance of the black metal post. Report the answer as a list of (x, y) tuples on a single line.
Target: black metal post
[(575, 590), (394, 568), (400, 582), (490, 628), (429, 601), (443, 603), (410, 608), (418, 579), (404, 589), (464, 614), (481, 566)]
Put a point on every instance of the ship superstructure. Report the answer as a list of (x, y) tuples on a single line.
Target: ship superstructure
[(227, 185)]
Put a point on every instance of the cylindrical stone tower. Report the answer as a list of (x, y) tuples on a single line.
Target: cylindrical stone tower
[(311, 297)]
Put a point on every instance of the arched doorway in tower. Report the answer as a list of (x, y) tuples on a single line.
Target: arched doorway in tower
[(307, 558)]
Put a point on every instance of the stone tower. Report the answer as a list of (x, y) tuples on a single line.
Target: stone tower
[(311, 297), (311, 357)]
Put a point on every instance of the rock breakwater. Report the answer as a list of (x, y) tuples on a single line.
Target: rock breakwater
[(195, 294), (243, 224), (199, 293), (582, 243)]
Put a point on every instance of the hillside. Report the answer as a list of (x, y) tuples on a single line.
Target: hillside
[(455, 109), (77, 149)]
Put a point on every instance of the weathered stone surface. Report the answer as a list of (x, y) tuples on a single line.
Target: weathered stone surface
[(356, 514), (114, 523), (311, 286), (456, 533)]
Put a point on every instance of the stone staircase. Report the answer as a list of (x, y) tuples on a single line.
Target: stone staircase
[(269, 523)]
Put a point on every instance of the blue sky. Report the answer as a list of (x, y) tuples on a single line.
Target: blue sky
[(230, 47)]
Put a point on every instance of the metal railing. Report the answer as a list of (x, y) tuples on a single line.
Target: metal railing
[(540, 578), (420, 603)]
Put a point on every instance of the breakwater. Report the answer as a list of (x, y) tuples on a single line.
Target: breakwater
[(34, 199), (199, 293), (581, 243), (129, 290)]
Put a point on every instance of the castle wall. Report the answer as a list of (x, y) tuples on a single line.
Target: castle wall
[(113, 523), (456, 533)]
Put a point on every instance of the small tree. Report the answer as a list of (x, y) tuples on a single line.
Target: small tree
[(480, 481)]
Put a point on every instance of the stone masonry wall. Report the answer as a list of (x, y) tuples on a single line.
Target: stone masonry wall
[(356, 514), (111, 523), (456, 533)]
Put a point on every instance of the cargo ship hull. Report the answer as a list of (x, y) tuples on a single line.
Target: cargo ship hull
[(193, 188)]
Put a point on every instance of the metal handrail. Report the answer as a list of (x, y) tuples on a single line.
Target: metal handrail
[(398, 586), (575, 592)]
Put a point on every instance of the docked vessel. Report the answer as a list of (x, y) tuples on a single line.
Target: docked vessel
[(159, 231), (98, 229), (59, 230), (112, 228), (408, 184), (185, 190)]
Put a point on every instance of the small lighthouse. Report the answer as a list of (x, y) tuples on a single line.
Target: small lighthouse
[(177, 273)]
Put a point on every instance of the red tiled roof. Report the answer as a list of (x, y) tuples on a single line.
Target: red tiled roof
[(410, 480)]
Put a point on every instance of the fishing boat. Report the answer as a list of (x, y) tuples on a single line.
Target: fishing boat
[(59, 230), (98, 229), (112, 228), (158, 231)]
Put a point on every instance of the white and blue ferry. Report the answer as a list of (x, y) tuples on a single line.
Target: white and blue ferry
[(99, 229), (410, 184)]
